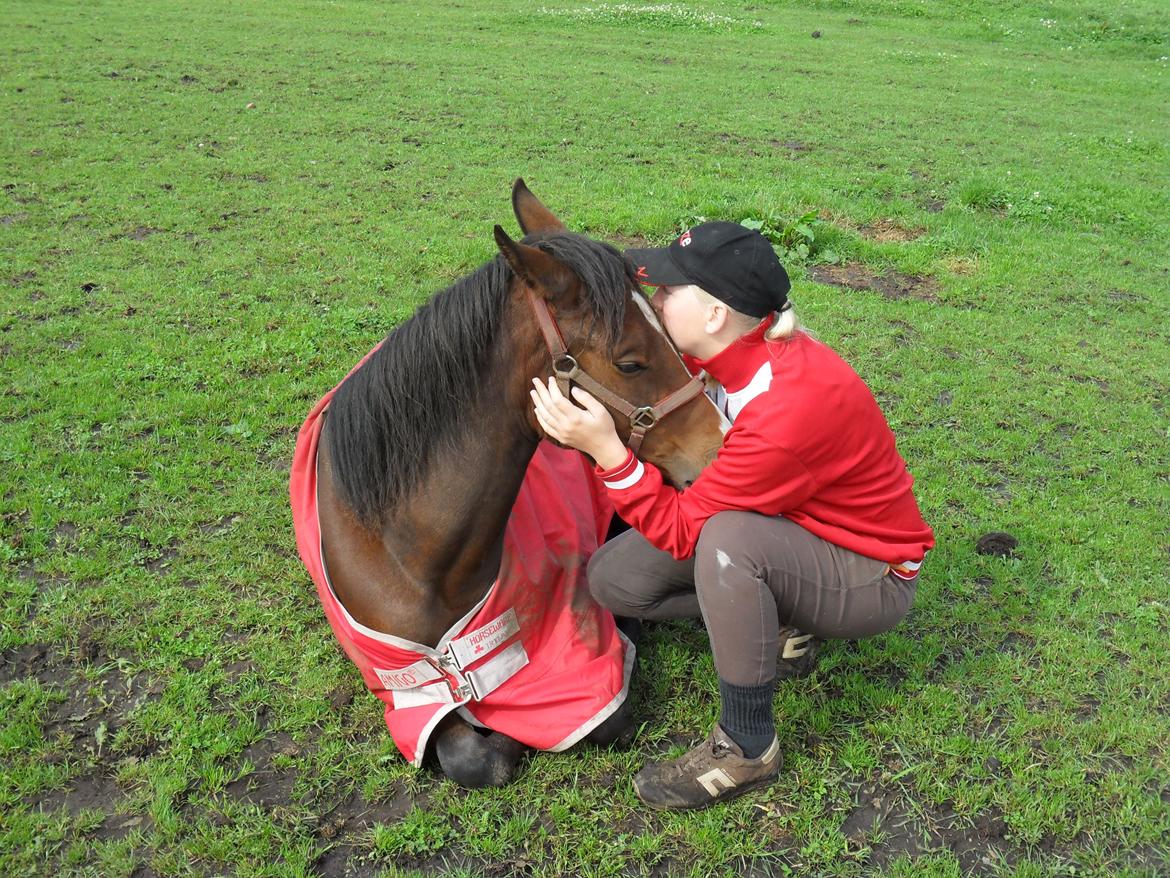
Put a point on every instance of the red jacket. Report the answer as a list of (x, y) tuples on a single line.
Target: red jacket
[(808, 442)]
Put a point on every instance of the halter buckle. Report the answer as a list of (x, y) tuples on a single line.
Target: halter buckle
[(565, 366), (643, 418)]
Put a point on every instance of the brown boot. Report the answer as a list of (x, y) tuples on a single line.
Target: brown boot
[(797, 655), (713, 772)]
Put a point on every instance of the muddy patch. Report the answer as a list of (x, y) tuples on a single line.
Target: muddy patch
[(265, 783), (30, 660), (224, 523), (999, 544), (80, 724), (892, 284), (893, 827), (64, 535), (1124, 296), (142, 232), (22, 278), (886, 230), (231, 177), (340, 828), (95, 792), (157, 559), (354, 815), (792, 146)]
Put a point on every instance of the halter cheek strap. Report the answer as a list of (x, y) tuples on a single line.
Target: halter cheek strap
[(567, 372)]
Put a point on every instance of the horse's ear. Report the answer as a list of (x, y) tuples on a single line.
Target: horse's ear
[(532, 215), (541, 271)]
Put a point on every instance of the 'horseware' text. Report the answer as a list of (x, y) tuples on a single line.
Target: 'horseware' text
[(478, 643)]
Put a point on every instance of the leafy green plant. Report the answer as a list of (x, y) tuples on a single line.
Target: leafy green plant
[(799, 240), (804, 239)]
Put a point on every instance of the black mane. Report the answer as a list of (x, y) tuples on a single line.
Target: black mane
[(415, 393)]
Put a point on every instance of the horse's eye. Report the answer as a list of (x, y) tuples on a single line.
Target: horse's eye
[(630, 368)]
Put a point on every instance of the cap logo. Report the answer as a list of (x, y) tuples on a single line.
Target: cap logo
[(685, 239)]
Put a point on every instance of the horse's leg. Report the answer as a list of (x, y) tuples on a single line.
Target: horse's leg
[(472, 759), (618, 728), (629, 626)]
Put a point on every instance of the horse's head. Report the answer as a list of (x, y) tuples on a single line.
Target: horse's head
[(589, 289)]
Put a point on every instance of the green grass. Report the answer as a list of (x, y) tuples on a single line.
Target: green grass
[(183, 274)]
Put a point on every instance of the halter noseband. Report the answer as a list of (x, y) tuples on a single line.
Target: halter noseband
[(566, 370)]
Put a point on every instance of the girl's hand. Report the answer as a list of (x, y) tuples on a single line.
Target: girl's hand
[(588, 427)]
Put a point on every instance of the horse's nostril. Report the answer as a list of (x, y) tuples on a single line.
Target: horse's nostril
[(688, 483)]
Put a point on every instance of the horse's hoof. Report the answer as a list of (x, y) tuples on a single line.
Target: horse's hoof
[(616, 731), (475, 760)]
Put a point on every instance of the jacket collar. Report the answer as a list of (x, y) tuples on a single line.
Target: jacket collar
[(736, 364)]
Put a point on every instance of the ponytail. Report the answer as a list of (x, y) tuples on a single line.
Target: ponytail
[(784, 323)]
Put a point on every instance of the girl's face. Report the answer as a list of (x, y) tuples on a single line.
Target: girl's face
[(683, 314)]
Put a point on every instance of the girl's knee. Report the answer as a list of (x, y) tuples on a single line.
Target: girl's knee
[(724, 541), (613, 585), (602, 581)]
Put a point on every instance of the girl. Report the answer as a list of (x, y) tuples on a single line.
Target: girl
[(805, 526)]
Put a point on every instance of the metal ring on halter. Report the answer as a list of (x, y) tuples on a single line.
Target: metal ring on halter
[(565, 366), (644, 417)]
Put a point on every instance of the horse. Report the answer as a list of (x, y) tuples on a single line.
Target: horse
[(422, 451)]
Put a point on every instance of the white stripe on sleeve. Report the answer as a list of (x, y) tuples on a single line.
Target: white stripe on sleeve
[(629, 480)]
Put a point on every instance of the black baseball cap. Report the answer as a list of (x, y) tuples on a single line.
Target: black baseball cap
[(733, 263)]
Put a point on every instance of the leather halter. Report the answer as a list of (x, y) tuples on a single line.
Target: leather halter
[(567, 371)]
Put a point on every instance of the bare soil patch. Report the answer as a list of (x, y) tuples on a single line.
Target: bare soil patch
[(624, 242), (266, 785), (896, 827), (794, 146), (892, 284), (886, 230), (142, 232), (224, 523), (82, 721), (997, 543), (340, 827)]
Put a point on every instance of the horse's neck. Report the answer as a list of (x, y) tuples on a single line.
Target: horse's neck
[(449, 538), (449, 535)]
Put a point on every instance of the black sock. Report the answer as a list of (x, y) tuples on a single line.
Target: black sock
[(746, 716)]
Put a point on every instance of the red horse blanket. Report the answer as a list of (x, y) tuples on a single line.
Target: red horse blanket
[(537, 659)]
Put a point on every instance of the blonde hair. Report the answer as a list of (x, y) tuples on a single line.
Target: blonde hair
[(784, 322)]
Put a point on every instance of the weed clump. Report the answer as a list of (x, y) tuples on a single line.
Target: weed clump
[(983, 194), (801, 240)]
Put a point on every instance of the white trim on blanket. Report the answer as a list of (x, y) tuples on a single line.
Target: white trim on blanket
[(609, 709)]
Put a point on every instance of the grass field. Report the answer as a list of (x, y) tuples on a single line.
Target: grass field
[(209, 211)]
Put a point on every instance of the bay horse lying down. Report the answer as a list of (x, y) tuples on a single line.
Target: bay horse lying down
[(448, 542)]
